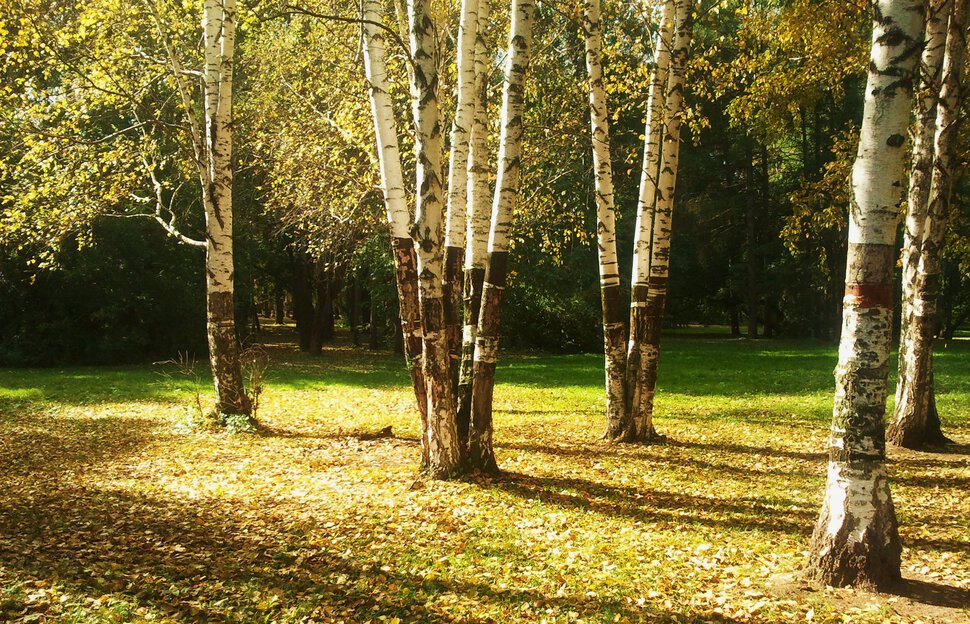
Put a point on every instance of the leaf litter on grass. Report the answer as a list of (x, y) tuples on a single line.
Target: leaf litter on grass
[(108, 514)]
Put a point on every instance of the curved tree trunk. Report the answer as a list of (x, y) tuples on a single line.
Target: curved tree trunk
[(614, 328), (916, 422), (638, 345), (477, 225), (398, 217), (441, 437), (651, 322), (481, 455), (856, 540)]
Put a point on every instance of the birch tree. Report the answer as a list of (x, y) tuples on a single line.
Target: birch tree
[(614, 329), (395, 202), (212, 150), (916, 421), (481, 455), (856, 539)]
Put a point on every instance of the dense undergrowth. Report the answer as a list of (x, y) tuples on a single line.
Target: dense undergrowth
[(112, 511)]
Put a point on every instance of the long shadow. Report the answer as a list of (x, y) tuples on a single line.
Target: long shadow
[(652, 505), (211, 562), (645, 454), (745, 449), (934, 594), (71, 444), (90, 385)]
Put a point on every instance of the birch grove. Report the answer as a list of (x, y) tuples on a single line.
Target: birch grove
[(856, 540), (916, 421)]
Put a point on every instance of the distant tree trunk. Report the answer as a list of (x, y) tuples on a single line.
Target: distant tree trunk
[(635, 427), (441, 436), (280, 306), (477, 226), (455, 225), (656, 297), (916, 420), (376, 324), (354, 311), (303, 300), (856, 540), (481, 454), (750, 245), (398, 217), (614, 328)]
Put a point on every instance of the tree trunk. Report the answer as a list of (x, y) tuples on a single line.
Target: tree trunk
[(750, 245), (651, 320), (638, 344), (303, 300), (219, 20), (441, 436), (477, 224), (398, 218), (481, 454), (456, 226), (614, 328), (856, 540), (280, 306), (916, 422)]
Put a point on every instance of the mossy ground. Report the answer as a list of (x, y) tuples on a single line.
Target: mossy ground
[(110, 511)]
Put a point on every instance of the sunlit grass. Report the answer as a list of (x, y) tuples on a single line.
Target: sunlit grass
[(111, 512)]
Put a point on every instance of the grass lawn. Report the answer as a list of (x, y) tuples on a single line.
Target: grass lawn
[(112, 511)]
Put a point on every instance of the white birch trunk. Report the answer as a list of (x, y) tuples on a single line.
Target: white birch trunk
[(856, 540), (455, 223), (916, 422), (395, 200), (481, 453), (441, 436), (645, 382), (218, 23), (638, 348), (477, 221), (614, 328)]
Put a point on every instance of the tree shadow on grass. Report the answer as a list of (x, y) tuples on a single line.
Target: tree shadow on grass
[(930, 593), (745, 449), (655, 506), (50, 447), (212, 561)]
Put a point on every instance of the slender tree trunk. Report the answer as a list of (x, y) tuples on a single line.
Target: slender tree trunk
[(916, 421), (750, 244), (651, 321), (280, 306), (441, 436), (856, 540), (218, 23), (455, 224), (614, 328), (481, 454), (477, 226), (635, 427), (398, 217)]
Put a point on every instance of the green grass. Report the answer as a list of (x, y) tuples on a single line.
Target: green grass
[(112, 512)]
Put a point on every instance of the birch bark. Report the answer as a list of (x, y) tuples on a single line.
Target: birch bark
[(218, 24), (481, 455), (649, 325), (395, 202), (638, 347), (614, 328), (477, 224), (916, 421), (455, 223), (441, 436), (856, 540)]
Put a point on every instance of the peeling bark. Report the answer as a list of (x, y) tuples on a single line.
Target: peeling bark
[(481, 454), (856, 540)]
